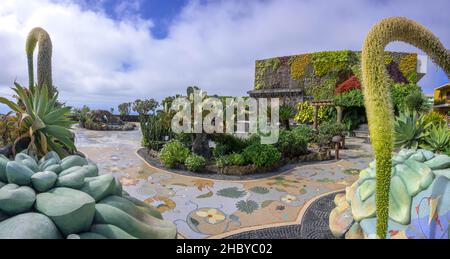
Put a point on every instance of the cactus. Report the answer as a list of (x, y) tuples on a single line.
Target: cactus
[(376, 94), (44, 65)]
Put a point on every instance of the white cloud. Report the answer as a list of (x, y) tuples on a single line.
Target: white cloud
[(102, 62)]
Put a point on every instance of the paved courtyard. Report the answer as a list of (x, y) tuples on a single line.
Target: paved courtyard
[(206, 208)]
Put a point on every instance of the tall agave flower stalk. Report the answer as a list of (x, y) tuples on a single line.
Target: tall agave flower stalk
[(378, 102), (44, 64)]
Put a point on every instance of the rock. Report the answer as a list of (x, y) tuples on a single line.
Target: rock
[(54, 168), (406, 153), (3, 216), (118, 187), (92, 170), (411, 178), (110, 231), (106, 214), (439, 162), (443, 172), (399, 201), (29, 226), (339, 199), (141, 213), (355, 232), (71, 210), (3, 162), (28, 161), (395, 230), (48, 156), (418, 156), (340, 219), (72, 161), (73, 236), (424, 171), (430, 212), (70, 170), (427, 153), (143, 206), (48, 163), (74, 180), (18, 173), (363, 209), (100, 186), (90, 235), (44, 181), (15, 200), (366, 189)]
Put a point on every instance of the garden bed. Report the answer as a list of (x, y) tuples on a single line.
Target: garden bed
[(247, 172)]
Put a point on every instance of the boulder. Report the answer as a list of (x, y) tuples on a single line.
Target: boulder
[(355, 232), (439, 162), (340, 219), (3, 216), (18, 173), (90, 235), (143, 206), (74, 180), (29, 226), (72, 161), (110, 231), (54, 168), (28, 161), (3, 162), (92, 170), (48, 163), (43, 181), (15, 200), (50, 155), (106, 214), (71, 210), (100, 186)]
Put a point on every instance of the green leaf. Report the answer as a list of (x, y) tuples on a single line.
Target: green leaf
[(266, 203), (232, 192), (11, 105), (259, 190), (56, 115), (247, 206), (206, 195)]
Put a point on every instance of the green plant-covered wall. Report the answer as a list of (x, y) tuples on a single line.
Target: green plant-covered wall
[(318, 73)]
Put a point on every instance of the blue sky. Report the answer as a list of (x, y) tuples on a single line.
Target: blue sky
[(110, 51)]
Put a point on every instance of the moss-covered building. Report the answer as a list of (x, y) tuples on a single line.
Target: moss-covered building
[(314, 76)]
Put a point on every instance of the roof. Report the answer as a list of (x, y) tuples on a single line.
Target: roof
[(443, 87)]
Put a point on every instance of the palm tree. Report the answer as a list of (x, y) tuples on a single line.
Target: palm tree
[(286, 113)]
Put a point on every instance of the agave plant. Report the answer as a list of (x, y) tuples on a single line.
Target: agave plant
[(409, 130), (438, 139), (42, 120)]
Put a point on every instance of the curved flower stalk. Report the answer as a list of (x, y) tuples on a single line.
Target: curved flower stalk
[(44, 65), (378, 102)]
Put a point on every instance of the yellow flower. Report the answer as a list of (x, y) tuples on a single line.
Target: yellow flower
[(212, 215), (288, 198)]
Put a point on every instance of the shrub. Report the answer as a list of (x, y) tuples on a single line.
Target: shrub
[(416, 101), (261, 155), (220, 150), (305, 130), (173, 153), (438, 139), (236, 159), (434, 118), (228, 143), (328, 130), (292, 143), (43, 120), (409, 130), (349, 84), (195, 163), (305, 113)]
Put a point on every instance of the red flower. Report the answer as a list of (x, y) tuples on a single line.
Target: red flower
[(349, 84)]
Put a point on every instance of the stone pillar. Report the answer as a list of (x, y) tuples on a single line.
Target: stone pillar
[(340, 111), (315, 115)]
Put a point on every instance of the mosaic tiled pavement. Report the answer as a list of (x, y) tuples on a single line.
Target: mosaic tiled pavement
[(205, 208)]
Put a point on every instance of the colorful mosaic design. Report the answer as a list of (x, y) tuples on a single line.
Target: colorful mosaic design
[(204, 208)]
